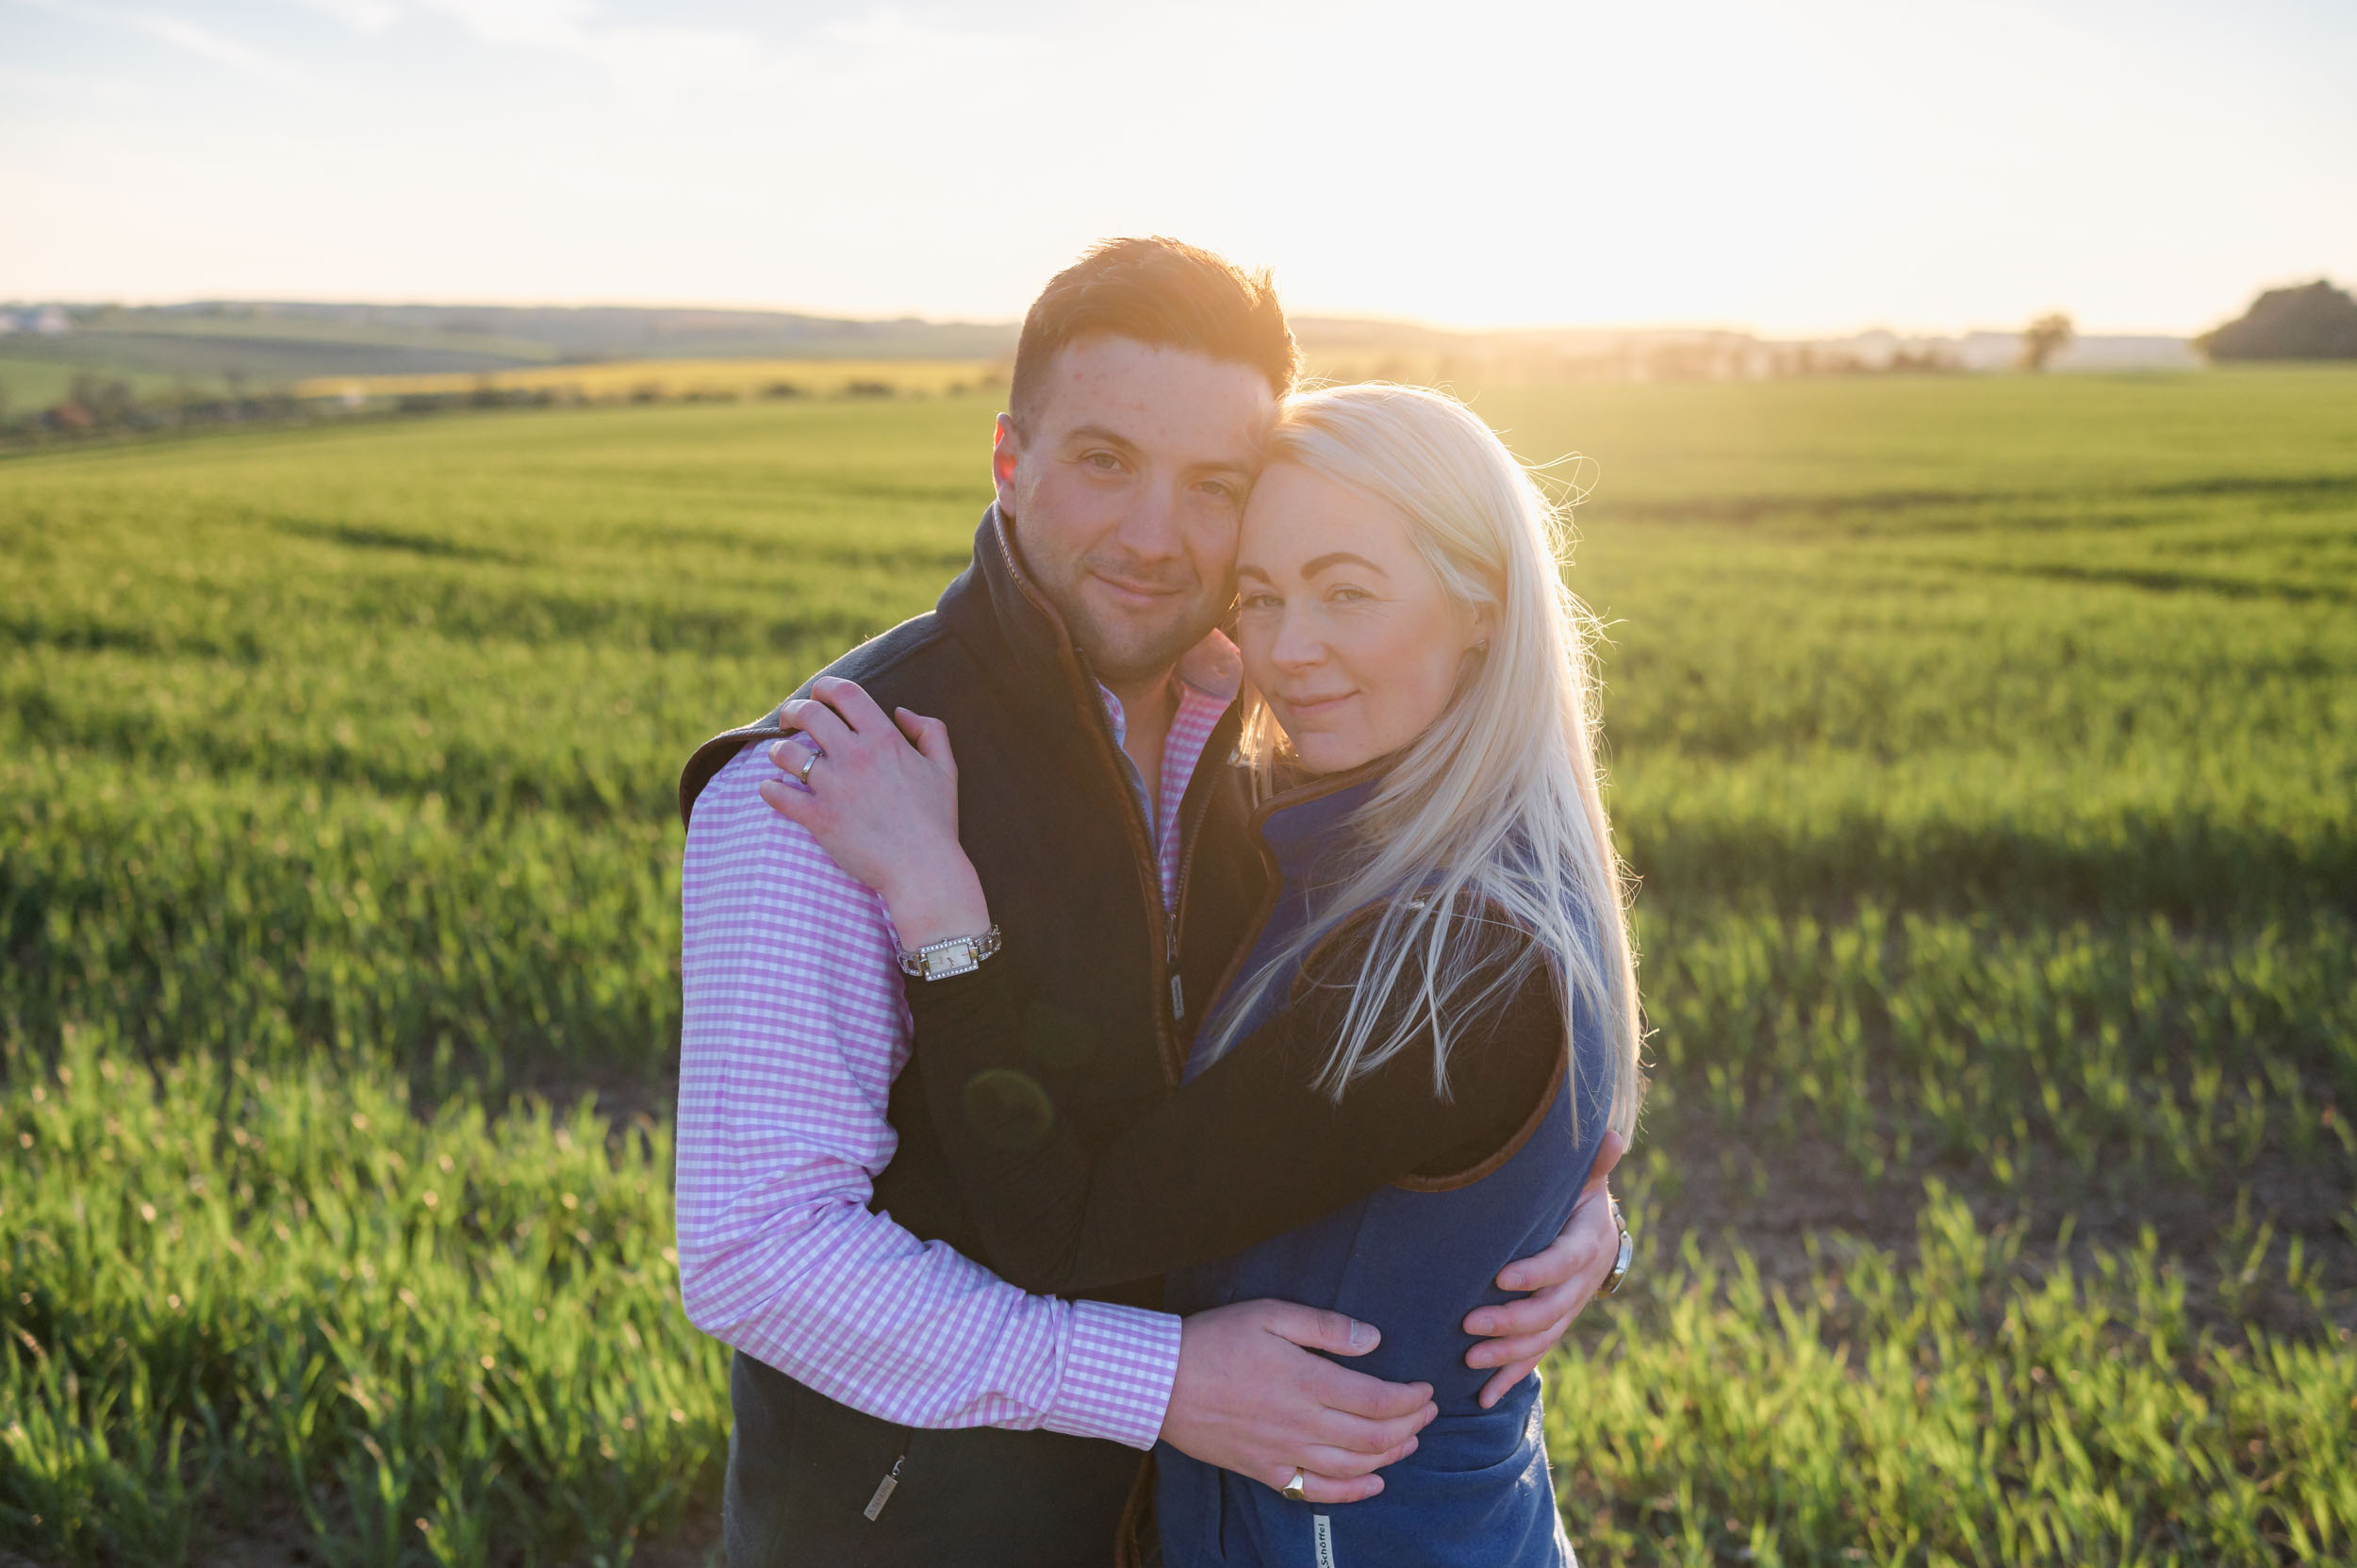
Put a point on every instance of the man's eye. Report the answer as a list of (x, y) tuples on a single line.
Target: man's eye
[(1103, 462)]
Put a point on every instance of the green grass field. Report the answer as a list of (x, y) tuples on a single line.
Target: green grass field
[(1988, 747)]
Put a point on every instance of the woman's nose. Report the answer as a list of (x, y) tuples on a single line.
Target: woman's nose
[(1297, 645)]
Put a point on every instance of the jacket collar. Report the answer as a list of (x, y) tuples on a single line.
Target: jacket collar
[(996, 606)]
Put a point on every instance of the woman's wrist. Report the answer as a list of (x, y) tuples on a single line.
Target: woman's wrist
[(943, 904)]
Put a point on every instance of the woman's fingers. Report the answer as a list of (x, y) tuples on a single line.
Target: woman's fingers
[(850, 700), (818, 721), (792, 755), (931, 737), (793, 803)]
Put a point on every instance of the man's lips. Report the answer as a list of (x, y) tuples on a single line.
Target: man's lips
[(1125, 587)]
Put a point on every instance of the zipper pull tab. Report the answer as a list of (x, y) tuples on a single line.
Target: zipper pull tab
[(1170, 954), (884, 1490)]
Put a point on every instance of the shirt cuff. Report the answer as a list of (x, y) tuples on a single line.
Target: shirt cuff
[(1118, 1366)]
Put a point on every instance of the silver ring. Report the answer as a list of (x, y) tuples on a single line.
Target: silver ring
[(1293, 1488), (803, 772)]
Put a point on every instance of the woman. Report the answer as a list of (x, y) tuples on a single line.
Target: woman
[(1404, 1082)]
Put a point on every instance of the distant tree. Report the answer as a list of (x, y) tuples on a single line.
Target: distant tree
[(104, 404), (2315, 320), (2046, 337)]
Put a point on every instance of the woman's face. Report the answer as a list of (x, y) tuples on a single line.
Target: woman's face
[(1344, 628)]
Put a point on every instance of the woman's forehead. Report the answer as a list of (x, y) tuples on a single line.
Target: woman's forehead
[(1297, 516)]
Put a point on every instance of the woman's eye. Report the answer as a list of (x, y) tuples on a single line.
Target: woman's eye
[(1103, 462), (1259, 601), (1347, 595)]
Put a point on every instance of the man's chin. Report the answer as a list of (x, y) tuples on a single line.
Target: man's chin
[(1123, 648)]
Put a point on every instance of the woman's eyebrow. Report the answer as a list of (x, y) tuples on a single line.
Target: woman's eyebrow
[(1335, 558), (1246, 568)]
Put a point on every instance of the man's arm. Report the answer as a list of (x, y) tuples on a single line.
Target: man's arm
[(1561, 1282), (794, 1030)]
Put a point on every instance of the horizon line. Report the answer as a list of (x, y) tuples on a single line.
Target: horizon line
[(1305, 315)]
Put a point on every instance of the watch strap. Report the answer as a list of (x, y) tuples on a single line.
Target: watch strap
[(951, 956)]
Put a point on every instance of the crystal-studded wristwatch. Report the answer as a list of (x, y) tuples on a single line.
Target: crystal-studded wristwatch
[(951, 955)]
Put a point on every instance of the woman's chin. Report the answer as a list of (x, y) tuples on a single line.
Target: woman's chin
[(1326, 754)]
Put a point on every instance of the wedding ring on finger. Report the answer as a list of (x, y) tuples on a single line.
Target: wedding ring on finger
[(808, 762), (1293, 1489)]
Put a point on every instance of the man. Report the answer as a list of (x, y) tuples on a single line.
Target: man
[(894, 1401)]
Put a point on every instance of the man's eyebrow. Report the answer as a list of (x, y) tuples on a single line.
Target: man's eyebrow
[(1335, 558), (1100, 433)]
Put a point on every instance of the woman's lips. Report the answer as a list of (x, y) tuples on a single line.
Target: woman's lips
[(1312, 707)]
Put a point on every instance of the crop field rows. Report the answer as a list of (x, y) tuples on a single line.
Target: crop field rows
[(1986, 750)]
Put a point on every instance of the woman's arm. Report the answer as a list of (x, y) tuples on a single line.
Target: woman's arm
[(1247, 1150)]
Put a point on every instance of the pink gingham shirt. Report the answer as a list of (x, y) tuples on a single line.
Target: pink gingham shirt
[(794, 1031)]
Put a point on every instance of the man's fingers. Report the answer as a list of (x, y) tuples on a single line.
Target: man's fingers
[(1338, 1388), (850, 700), (1369, 1439), (1315, 1328), (1343, 1465), (1565, 1257), (1549, 1311), (1608, 1152), (1327, 1488), (1497, 1352), (817, 721), (1505, 1377)]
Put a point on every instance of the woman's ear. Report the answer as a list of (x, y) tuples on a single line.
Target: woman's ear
[(1484, 619)]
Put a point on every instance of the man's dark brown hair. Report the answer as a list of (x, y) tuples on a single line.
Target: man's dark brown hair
[(1160, 292)]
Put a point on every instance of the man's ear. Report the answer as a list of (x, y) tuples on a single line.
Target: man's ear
[(1006, 451)]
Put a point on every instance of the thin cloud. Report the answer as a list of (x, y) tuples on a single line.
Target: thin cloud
[(664, 60), (177, 31), (203, 42), (362, 16)]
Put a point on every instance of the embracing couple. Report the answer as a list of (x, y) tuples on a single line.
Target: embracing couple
[(1175, 996)]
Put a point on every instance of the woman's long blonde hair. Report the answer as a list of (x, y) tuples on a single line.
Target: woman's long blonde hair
[(1494, 812)]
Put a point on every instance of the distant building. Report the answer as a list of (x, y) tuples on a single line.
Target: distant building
[(48, 319)]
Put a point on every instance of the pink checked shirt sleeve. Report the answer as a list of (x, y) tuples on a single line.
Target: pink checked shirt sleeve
[(794, 1031)]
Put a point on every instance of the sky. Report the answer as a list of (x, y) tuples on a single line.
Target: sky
[(1812, 166)]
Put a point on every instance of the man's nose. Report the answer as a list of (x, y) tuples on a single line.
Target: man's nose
[(1149, 531)]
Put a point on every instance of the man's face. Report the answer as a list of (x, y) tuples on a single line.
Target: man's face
[(1125, 485)]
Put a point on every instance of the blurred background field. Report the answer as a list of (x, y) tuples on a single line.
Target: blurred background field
[(685, 380), (1986, 747)]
